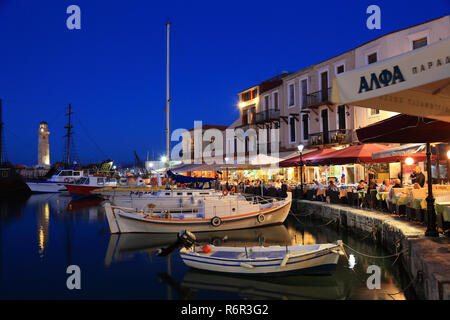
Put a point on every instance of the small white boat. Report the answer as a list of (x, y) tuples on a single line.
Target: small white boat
[(56, 182), (272, 260), (210, 214)]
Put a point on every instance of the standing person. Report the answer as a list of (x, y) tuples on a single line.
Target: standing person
[(420, 177)]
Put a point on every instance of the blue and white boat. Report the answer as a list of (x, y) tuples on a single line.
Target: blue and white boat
[(56, 182), (271, 260)]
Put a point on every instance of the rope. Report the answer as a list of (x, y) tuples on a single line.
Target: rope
[(403, 290), (320, 225), (375, 257)]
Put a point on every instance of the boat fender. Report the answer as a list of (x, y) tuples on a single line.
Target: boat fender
[(206, 248), (260, 218), (225, 192), (215, 222), (246, 265), (285, 260), (233, 190)]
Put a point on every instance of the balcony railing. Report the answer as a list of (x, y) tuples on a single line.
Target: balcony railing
[(318, 98), (267, 116), (341, 136)]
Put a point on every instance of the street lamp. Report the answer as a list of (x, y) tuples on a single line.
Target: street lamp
[(226, 168), (300, 149)]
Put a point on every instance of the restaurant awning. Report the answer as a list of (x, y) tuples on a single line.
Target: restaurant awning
[(415, 83), (359, 153), (295, 161), (413, 150), (403, 128)]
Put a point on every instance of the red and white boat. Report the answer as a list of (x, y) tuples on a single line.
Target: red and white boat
[(86, 185)]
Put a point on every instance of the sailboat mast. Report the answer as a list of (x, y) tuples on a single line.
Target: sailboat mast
[(69, 134), (1, 133), (168, 96)]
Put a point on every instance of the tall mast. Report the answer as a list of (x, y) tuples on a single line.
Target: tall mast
[(168, 96), (1, 133), (68, 135)]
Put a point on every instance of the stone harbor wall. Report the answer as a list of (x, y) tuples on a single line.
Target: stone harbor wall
[(427, 260)]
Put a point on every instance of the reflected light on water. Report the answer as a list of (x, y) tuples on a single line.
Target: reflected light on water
[(351, 261), (43, 224)]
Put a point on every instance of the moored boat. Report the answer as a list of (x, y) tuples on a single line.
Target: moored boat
[(211, 214), (86, 185), (271, 260), (56, 182)]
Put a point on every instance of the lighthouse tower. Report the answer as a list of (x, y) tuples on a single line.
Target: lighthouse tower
[(43, 145)]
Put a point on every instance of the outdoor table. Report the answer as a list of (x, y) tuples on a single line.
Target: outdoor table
[(321, 192), (444, 210), (382, 195)]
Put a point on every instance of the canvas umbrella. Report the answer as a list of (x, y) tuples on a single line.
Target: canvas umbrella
[(295, 161), (359, 153)]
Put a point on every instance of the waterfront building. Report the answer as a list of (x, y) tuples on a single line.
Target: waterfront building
[(299, 107)]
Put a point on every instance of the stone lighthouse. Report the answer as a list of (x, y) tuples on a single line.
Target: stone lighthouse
[(43, 145)]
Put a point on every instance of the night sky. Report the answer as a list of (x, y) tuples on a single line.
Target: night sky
[(113, 69)]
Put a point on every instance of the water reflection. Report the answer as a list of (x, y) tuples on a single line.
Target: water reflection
[(254, 288), (124, 246)]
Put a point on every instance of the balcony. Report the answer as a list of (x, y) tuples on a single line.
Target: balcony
[(318, 98), (267, 116), (335, 137)]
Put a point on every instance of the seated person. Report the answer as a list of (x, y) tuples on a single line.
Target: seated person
[(317, 185), (391, 193), (397, 183), (332, 186), (385, 186), (361, 185)]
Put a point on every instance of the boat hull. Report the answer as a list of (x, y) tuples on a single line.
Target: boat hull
[(120, 222), (322, 262), (80, 189), (45, 187)]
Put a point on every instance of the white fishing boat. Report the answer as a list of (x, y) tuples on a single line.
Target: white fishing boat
[(211, 214), (271, 260), (56, 182)]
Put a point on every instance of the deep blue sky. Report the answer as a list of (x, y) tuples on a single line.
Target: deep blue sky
[(113, 69)]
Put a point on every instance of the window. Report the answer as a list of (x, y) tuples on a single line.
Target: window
[(419, 43), (372, 58), (275, 100), (244, 117), (266, 102), (292, 129), (340, 69), (291, 95), (252, 115), (304, 91), (305, 127), (374, 112), (341, 117)]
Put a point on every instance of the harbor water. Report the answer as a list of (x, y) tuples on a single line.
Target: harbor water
[(43, 235)]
